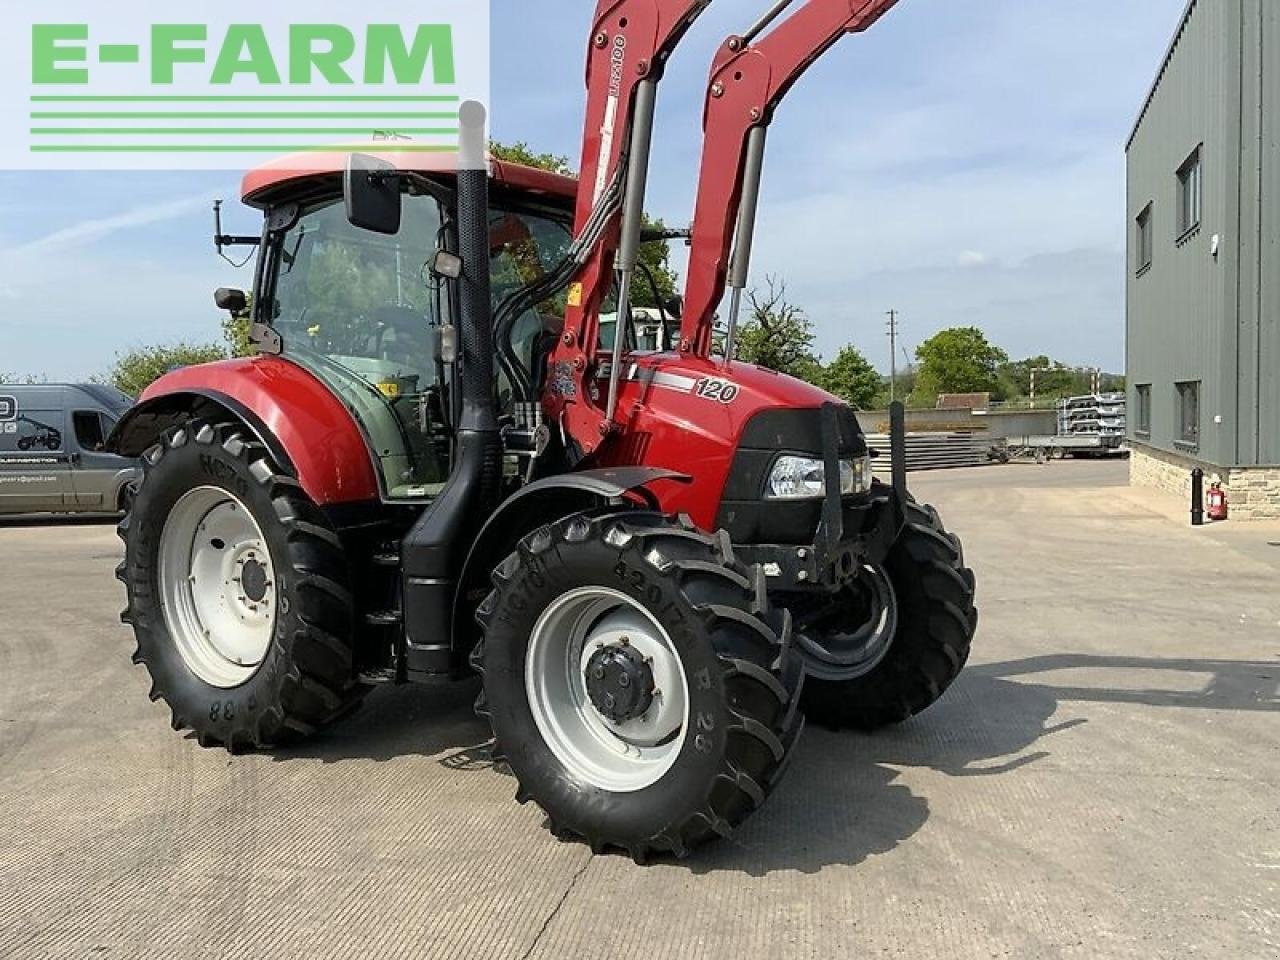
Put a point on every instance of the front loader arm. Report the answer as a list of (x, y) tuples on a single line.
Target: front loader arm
[(631, 41), (749, 78)]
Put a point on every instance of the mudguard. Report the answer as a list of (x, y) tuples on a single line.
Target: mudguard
[(542, 502), (306, 428)]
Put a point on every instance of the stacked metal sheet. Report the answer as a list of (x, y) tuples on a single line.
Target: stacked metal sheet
[(936, 451), (1092, 415)]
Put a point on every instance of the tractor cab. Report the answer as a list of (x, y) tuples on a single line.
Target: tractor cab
[(370, 314)]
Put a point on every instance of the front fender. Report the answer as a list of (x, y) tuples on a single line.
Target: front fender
[(304, 426), (543, 501)]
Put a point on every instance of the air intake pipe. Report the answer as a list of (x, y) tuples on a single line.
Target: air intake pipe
[(434, 551)]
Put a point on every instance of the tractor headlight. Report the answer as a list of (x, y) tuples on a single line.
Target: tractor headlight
[(804, 478)]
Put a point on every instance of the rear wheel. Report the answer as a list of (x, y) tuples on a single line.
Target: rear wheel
[(637, 682), (889, 647), (238, 592)]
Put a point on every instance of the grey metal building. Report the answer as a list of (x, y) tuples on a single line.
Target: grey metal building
[(1203, 302)]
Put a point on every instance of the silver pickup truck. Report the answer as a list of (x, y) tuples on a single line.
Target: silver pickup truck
[(51, 456)]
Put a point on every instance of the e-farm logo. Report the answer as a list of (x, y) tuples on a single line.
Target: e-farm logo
[(147, 87)]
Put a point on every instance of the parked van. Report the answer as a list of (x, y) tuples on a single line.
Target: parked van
[(51, 456)]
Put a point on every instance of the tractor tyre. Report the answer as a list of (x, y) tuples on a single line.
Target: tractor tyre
[(926, 608), (238, 592), (637, 682)]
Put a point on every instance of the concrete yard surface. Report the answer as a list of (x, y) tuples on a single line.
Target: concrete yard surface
[(1102, 782)]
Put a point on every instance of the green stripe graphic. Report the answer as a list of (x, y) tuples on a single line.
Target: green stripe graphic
[(243, 99), (42, 115), (379, 146), (231, 131)]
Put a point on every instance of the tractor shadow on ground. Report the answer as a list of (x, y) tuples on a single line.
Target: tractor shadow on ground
[(414, 720), (842, 801)]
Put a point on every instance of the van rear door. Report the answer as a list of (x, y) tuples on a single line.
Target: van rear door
[(35, 467)]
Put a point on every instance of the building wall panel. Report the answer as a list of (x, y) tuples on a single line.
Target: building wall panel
[(1178, 325)]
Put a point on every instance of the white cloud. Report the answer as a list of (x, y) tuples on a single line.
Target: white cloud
[(972, 258), (89, 231)]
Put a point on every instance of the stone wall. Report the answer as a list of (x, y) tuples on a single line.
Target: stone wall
[(1253, 493)]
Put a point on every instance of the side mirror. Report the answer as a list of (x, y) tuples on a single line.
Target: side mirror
[(371, 188), (675, 306), (233, 301)]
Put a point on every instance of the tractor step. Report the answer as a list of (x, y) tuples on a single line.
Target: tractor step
[(383, 618), (387, 554), (377, 676)]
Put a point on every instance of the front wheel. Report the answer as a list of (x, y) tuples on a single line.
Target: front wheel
[(637, 682), (889, 646), (237, 592)]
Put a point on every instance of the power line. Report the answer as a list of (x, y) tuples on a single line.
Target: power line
[(893, 355)]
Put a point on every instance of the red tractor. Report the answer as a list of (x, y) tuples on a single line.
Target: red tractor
[(438, 464)]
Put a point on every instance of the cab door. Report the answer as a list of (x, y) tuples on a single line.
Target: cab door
[(95, 474), (35, 466)]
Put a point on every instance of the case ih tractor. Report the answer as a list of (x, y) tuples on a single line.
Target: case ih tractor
[(658, 561)]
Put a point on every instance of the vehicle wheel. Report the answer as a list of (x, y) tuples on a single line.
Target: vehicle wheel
[(637, 681), (125, 498), (238, 592), (915, 620)]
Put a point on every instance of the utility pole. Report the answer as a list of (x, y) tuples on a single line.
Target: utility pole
[(893, 355), (1034, 371)]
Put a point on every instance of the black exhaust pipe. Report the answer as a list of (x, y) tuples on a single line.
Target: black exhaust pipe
[(434, 551)]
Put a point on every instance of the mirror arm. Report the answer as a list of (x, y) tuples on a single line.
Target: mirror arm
[(221, 239)]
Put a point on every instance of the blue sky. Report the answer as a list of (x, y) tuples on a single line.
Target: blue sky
[(962, 163)]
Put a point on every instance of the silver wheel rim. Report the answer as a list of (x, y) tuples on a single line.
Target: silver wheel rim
[(857, 653), (618, 757), (217, 586)]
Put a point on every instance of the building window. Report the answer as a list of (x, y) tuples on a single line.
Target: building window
[(1142, 421), (1142, 240), (1189, 193), (1189, 413)]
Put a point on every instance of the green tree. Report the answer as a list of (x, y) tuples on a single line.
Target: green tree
[(958, 360), (655, 257), (778, 334), (852, 378), (1052, 379), (521, 153), (137, 369), (235, 331)]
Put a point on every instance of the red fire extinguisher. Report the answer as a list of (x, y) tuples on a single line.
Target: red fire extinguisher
[(1217, 502)]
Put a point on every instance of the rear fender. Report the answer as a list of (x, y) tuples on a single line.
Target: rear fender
[(304, 426)]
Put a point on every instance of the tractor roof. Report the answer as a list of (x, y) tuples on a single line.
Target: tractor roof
[(282, 176)]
